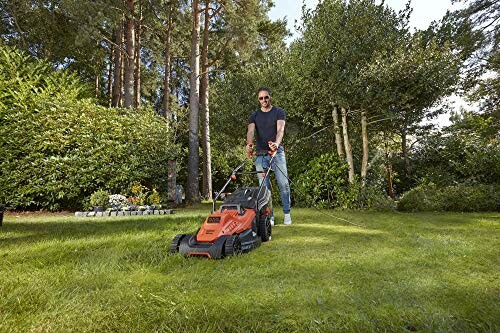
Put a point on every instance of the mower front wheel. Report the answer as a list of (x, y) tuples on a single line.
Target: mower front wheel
[(265, 229), (232, 246), (176, 242)]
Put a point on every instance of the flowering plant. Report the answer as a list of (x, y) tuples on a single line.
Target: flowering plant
[(133, 201), (117, 200), (154, 198), (141, 192)]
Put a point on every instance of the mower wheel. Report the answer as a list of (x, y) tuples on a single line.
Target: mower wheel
[(232, 246), (265, 229), (176, 242)]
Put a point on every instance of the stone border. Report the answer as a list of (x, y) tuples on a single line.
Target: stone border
[(125, 213)]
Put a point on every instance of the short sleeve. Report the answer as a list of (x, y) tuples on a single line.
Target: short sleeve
[(281, 114), (251, 119)]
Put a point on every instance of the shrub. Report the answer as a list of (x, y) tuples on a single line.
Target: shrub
[(140, 193), (323, 182), (420, 198), (58, 148), (154, 198), (459, 198), (476, 198), (100, 198)]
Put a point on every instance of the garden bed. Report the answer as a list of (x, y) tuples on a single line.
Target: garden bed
[(125, 213)]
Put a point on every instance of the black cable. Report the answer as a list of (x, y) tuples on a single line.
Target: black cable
[(314, 205)]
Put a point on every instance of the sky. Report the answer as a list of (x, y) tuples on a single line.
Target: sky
[(424, 12)]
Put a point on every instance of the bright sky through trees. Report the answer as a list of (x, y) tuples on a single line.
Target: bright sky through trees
[(424, 12)]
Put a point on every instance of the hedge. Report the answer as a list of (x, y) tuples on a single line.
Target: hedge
[(459, 198), (58, 147)]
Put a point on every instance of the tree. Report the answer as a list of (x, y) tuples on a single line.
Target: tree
[(204, 102), (229, 27), (340, 38), (465, 152), (137, 55), (74, 35), (408, 83), (483, 17), (192, 188)]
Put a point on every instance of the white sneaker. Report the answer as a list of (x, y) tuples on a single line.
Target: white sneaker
[(288, 219), (272, 221)]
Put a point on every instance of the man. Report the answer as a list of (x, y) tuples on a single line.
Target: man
[(268, 123)]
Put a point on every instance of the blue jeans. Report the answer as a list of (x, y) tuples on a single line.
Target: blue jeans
[(279, 168)]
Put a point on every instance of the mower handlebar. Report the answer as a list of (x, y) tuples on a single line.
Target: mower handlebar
[(254, 152)]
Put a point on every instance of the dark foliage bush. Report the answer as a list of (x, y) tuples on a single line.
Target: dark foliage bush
[(324, 183), (58, 147), (458, 198)]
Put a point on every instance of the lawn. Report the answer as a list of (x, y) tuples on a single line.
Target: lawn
[(425, 272)]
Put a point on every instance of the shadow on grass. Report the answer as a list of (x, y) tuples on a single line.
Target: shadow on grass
[(72, 228)]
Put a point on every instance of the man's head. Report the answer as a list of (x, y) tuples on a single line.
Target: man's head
[(264, 95)]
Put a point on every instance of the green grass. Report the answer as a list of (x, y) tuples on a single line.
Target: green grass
[(423, 272)]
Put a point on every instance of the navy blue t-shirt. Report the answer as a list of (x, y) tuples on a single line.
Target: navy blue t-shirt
[(265, 126)]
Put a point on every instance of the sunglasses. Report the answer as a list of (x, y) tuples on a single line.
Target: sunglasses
[(263, 98)]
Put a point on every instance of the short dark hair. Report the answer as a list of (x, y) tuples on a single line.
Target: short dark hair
[(264, 88)]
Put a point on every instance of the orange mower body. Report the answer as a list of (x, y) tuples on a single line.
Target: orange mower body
[(241, 224)]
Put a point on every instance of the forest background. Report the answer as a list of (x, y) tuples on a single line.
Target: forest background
[(108, 94)]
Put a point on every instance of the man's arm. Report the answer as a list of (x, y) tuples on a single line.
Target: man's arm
[(280, 132), (250, 134)]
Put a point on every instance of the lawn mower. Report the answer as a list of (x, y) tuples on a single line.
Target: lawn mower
[(240, 224)]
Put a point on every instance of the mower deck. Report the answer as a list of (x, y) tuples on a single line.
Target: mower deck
[(223, 246)]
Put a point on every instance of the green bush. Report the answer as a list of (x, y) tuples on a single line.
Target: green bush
[(420, 198), (476, 198), (459, 198), (323, 183), (57, 148), (100, 198), (154, 198)]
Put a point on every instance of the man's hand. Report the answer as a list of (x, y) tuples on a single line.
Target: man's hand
[(273, 145), (249, 148)]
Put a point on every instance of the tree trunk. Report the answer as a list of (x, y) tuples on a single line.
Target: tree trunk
[(192, 188), (117, 72), (128, 76), (404, 148), (390, 191), (96, 83), (137, 72), (388, 168), (172, 179), (110, 74), (166, 81), (364, 161), (205, 112), (347, 146), (336, 129), (172, 164), (118, 78)]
